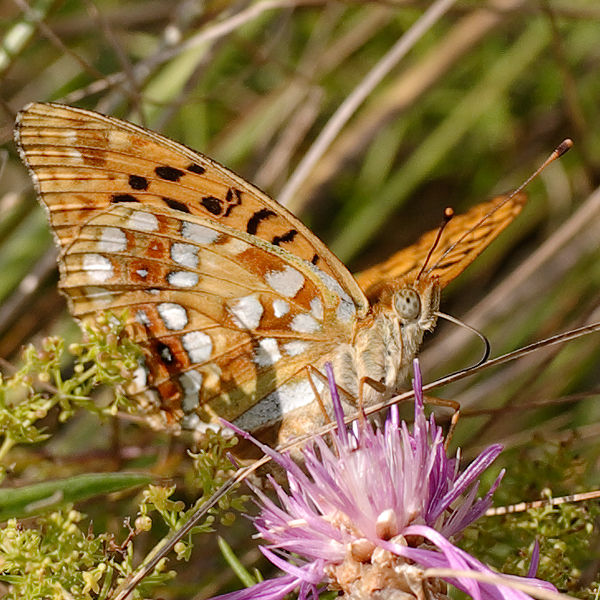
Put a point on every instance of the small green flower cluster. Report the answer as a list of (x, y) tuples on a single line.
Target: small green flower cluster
[(58, 559), (106, 357)]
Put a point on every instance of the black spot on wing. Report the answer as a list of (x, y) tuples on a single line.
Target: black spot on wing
[(233, 199), (212, 205), (286, 237), (315, 259), (194, 168), (165, 353), (169, 173), (123, 198), (256, 218), (176, 205), (136, 182)]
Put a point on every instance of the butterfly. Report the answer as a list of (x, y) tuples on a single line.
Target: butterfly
[(236, 304)]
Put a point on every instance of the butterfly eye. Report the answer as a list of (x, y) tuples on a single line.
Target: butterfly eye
[(407, 304)]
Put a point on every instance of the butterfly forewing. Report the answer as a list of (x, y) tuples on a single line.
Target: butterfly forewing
[(462, 240), (236, 305), (98, 160)]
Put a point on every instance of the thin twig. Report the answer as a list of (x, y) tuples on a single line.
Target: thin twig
[(345, 111)]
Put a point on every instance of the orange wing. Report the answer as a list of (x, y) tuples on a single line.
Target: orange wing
[(229, 295), (463, 239), (96, 161)]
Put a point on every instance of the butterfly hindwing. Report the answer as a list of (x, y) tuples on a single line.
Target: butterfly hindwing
[(203, 297)]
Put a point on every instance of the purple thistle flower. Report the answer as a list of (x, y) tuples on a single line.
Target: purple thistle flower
[(369, 515)]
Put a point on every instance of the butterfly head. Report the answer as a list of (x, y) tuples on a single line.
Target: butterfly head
[(413, 301)]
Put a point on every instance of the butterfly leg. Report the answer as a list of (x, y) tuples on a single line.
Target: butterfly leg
[(455, 406), (378, 386), (313, 371), (346, 396)]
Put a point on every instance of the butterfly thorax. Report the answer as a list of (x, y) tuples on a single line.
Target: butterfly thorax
[(384, 344), (387, 339)]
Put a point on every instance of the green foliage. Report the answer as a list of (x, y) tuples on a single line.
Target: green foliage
[(55, 560), (565, 533), (212, 468), (55, 556), (59, 559), (107, 357), (37, 498)]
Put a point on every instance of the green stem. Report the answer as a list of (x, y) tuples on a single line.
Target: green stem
[(7, 444)]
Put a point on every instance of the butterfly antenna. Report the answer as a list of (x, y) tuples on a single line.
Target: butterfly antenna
[(560, 150), (448, 214), (486, 343)]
